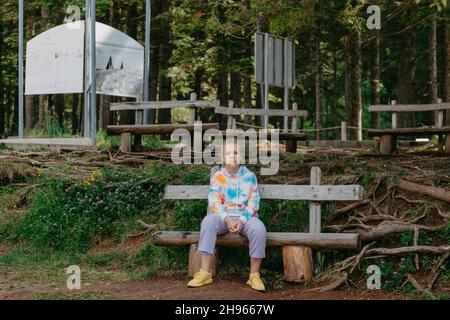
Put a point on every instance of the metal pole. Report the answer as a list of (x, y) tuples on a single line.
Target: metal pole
[(266, 79), (21, 135), (286, 85), (86, 79), (148, 15), (92, 57)]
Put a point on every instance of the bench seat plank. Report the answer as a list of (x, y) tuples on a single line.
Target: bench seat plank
[(152, 105), (157, 128), (408, 131), (261, 112), (274, 239), (282, 192), (409, 107)]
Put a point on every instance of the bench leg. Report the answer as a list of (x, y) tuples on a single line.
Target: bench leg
[(298, 263), (291, 146), (137, 146), (125, 142), (387, 144), (195, 261), (447, 143)]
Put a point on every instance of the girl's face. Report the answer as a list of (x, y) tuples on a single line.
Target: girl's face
[(231, 155)]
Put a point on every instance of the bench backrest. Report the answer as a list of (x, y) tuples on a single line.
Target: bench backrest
[(395, 108), (276, 192), (315, 193)]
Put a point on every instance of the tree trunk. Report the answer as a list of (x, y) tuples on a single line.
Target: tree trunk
[(2, 91), (75, 100), (347, 80), (235, 89), (446, 66), (375, 82), (356, 110), (406, 75), (29, 113), (59, 109), (103, 119), (43, 105), (432, 61), (319, 74), (334, 103), (165, 53)]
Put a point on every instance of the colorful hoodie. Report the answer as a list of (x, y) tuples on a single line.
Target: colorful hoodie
[(234, 194)]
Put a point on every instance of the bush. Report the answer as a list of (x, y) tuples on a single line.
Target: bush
[(67, 214)]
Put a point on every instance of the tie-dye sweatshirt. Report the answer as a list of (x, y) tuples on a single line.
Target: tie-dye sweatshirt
[(234, 194)]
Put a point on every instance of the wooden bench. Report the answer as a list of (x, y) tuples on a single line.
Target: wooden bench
[(296, 247), (139, 129), (388, 137), (291, 138)]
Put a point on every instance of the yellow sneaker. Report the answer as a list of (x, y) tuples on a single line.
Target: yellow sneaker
[(255, 282), (201, 278)]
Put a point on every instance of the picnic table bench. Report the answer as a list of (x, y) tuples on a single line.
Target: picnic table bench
[(296, 247), (291, 137), (388, 137), (138, 129)]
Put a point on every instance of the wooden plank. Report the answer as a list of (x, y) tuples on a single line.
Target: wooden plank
[(408, 131), (148, 105), (314, 207), (274, 239), (273, 191), (409, 107), (261, 112), (157, 128)]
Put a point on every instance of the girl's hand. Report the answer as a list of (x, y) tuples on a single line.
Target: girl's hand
[(237, 227), (229, 223)]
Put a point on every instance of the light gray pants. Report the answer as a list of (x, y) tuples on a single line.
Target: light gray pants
[(254, 229)]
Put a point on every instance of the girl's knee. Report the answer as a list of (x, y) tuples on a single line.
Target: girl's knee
[(258, 228), (209, 221)]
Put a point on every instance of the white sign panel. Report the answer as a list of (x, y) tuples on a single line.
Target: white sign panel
[(120, 62), (54, 61), (280, 60)]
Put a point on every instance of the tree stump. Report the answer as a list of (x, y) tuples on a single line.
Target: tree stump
[(195, 261), (447, 143), (298, 264), (387, 144), (125, 142)]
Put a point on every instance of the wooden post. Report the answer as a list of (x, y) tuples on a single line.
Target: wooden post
[(195, 261), (125, 142), (291, 144), (294, 119), (297, 262), (314, 207), (439, 122), (139, 119), (447, 143), (192, 109), (394, 118), (387, 144), (343, 131), (230, 118)]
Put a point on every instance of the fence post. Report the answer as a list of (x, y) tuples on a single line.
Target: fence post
[(294, 119), (231, 122), (439, 122), (394, 118), (344, 131), (193, 98)]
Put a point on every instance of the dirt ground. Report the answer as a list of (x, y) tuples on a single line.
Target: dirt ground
[(223, 288)]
